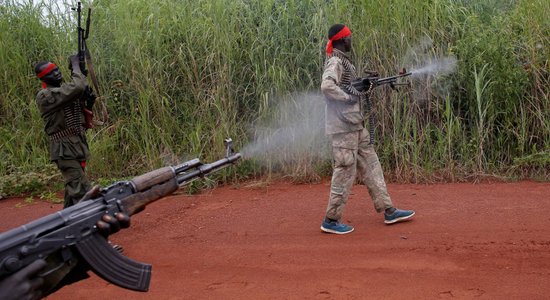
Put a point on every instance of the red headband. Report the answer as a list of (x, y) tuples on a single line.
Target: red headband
[(47, 70), (341, 34)]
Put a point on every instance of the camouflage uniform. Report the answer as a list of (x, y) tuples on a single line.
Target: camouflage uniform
[(351, 149), (61, 110)]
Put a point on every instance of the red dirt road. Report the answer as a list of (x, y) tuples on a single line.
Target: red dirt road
[(487, 241)]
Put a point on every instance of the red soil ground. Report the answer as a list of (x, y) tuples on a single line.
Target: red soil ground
[(487, 241)]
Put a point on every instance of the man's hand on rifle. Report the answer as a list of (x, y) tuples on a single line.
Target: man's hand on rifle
[(27, 284), (89, 96), (74, 63), (108, 224), (24, 284)]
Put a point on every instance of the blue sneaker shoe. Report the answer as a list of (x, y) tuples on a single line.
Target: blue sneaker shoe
[(398, 216), (336, 227)]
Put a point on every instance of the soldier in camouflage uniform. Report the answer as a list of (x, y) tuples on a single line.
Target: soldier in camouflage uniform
[(353, 153), (66, 111)]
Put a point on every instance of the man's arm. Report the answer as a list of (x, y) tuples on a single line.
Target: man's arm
[(331, 79), (54, 98)]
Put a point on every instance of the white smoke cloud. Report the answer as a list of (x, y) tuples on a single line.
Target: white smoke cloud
[(429, 69), (423, 60), (436, 67), (295, 131)]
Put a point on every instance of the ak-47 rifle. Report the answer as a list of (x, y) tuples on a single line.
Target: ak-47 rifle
[(74, 228), (372, 79), (86, 64), (82, 35)]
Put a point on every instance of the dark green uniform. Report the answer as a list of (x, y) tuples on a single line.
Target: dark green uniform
[(63, 116)]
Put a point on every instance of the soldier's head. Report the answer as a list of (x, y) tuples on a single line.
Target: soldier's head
[(49, 73), (339, 37)]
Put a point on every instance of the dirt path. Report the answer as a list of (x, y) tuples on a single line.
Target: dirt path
[(490, 241)]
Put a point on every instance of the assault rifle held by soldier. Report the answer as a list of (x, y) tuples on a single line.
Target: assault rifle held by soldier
[(86, 64), (72, 232), (82, 35)]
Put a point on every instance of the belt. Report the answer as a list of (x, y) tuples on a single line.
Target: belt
[(56, 137)]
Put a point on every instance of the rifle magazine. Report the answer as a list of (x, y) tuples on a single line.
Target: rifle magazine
[(110, 265)]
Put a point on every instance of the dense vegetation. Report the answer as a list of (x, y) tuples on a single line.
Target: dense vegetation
[(177, 77)]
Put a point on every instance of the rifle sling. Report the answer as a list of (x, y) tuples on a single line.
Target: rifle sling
[(91, 69), (93, 76)]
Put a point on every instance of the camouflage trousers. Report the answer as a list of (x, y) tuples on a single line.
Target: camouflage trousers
[(352, 155), (76, 182)]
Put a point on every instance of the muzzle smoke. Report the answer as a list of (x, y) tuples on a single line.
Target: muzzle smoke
[(423, 61), (294, 132), (436, 67), (430, 71)]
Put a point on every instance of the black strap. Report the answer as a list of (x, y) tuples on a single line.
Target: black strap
[(93, 76)]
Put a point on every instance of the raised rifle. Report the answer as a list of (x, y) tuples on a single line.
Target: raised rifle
[(74, 228), (82, 36), (86, 65)]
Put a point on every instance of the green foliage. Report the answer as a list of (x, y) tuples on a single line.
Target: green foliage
[(176, 78), (537, 165), (22, 181), (536, 160), (50, 196)]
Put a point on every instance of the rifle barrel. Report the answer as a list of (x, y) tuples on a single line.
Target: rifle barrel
[(391, 78), (87, 31), (79, 28), (207, 168)]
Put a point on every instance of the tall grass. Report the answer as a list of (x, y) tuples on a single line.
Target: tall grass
[(178, 77)]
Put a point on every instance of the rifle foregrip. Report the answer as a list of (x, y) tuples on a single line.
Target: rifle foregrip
[(110, 265), (135, 203), (152, 178)]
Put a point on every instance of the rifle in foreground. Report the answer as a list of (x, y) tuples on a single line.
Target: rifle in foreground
[(372, 80), (74, 228)]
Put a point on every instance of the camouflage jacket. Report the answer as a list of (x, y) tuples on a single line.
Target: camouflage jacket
[(343, 111)]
